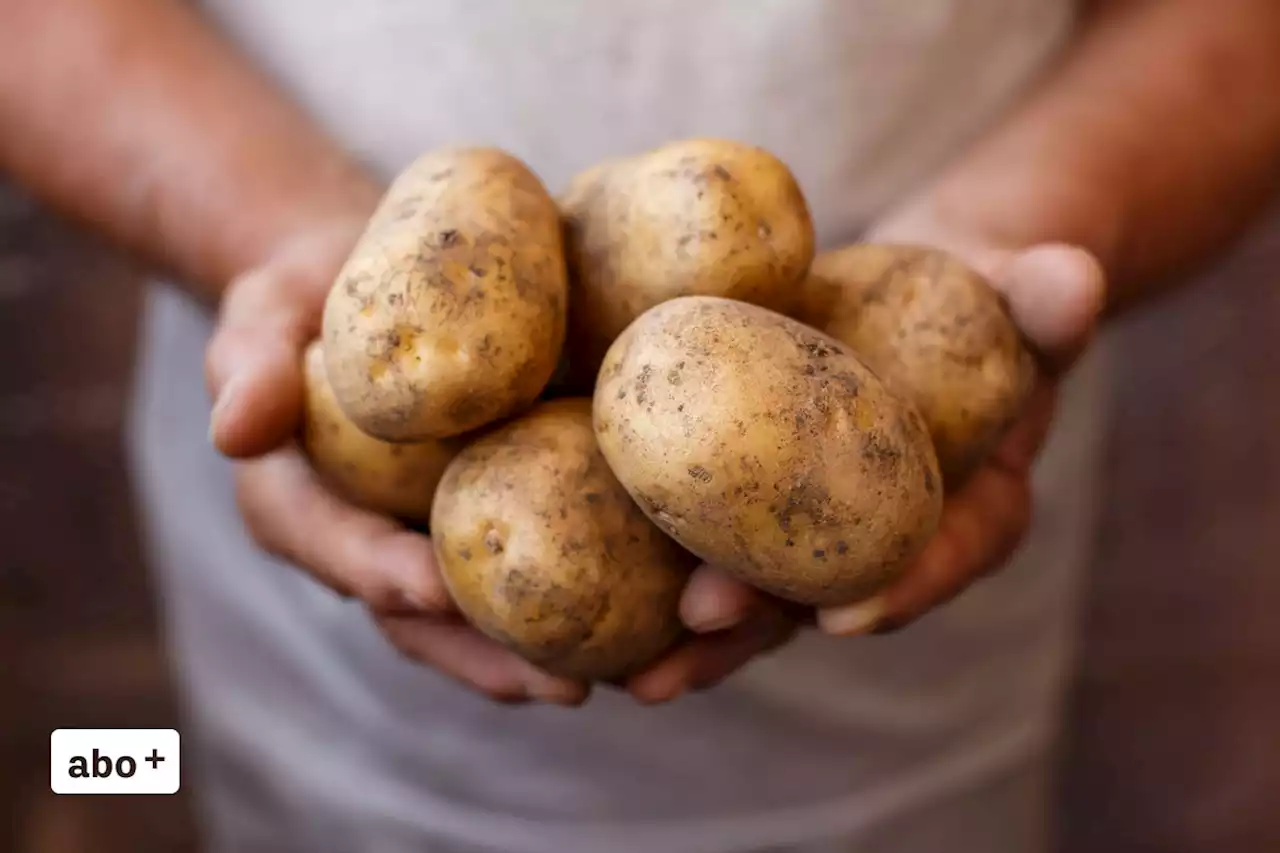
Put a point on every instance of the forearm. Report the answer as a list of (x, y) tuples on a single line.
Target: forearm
[(1151, 145), (135, 117)]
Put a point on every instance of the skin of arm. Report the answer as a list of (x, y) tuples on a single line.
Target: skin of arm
[(135, 118), (1151, 145)]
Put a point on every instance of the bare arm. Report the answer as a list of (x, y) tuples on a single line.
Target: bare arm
[(1148, 148), (134, 117), (1152, 144)]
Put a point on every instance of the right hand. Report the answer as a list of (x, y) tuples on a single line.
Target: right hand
[(254, 373)]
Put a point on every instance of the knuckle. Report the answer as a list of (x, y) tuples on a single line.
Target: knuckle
[(356, 566), (242, 294), (433, 596), (399, 638), (382, 597)]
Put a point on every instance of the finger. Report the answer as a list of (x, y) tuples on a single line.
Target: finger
[(1056, 294), (1017, 450), (1013, 459), (253, 363), (266, 319), (980, 528), (291, 514), (713, 600), (705, 660), (469, 657)]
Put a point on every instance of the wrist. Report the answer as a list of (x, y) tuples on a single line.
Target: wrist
[(329, 213), (983, 220)]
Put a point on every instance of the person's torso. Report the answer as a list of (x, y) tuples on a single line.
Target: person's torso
[(864, 99), (861, 97)]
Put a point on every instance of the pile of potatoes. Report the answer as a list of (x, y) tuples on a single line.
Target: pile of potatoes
[(582, 398)]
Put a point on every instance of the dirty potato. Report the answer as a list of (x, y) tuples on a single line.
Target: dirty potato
[(768, 449), (937, 332), (697, 217), (394, 479), (450, 312), (543, 550)]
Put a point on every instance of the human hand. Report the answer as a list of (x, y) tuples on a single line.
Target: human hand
[(1055, 294), (730, 622), (254, 372)]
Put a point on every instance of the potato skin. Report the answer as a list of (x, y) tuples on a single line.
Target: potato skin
[(697, 217), (394, 479), (768, 449), (544, 551), (938, 333), (450, 312)]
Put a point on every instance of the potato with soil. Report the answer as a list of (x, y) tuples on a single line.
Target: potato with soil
[(394, 479), (768, 449), (697, 217), (543, 550), (450, 312), (937, 332)]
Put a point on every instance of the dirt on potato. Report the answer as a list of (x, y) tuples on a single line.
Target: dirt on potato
[(768, 449), (543, 549), (450, 312)]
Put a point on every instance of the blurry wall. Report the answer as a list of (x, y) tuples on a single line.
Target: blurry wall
[(77, 635), (1174, 748), (1177, 714)]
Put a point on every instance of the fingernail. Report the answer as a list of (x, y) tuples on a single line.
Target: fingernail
[(853, 620), (704, 615)]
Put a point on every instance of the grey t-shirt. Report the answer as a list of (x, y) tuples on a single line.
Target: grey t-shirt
[(315, 736)]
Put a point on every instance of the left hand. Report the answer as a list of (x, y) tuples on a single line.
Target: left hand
[(1055, 294)]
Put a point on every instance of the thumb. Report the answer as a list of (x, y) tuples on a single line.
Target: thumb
[(253, 365), (1056, 293)]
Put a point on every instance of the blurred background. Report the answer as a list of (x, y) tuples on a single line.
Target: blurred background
[(1175, 719)]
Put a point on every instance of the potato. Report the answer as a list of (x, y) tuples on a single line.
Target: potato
[(768, 449), (450, 312), (543, 550), (698, 217), (394, 479), (938, 333)]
